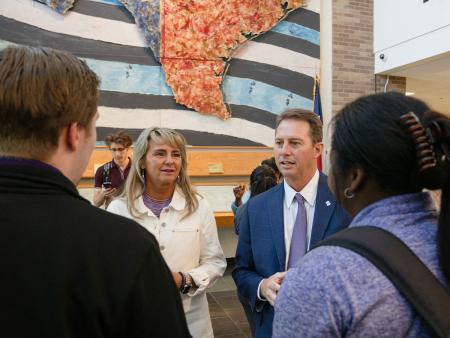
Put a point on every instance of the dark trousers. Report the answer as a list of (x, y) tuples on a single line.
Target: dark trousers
[(248, 313)]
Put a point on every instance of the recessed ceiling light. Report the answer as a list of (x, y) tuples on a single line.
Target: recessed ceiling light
[(409, 93)]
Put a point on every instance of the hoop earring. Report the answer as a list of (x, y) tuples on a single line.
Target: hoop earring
[(348, 194)]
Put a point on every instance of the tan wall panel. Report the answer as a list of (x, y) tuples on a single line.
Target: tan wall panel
[(234, 162)]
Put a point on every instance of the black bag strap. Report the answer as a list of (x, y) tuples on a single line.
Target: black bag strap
[(403, 268), (106, 170)]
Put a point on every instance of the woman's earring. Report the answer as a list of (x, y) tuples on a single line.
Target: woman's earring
[(143, 173), (348, 194)]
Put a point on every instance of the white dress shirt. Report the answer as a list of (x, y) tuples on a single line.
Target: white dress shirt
[(290, 207)]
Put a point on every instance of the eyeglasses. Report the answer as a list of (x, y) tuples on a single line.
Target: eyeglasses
[(117, 149)]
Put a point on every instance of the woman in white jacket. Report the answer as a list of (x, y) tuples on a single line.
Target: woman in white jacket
[(158, 195)]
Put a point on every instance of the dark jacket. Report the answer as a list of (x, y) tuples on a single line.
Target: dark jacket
[(72, 270)]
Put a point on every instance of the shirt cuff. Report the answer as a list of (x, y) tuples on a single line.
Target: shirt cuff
[(201, 280), (258, 294)]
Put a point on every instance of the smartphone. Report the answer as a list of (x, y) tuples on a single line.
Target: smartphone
[(107, 185)]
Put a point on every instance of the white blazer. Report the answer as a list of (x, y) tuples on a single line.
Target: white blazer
[(190, 245)]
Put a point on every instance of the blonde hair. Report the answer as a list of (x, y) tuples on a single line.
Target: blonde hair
[(135, 183)]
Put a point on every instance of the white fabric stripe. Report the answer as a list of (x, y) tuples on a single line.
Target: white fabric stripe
[(184, 119), (278, 56), (313, 5), (72, 23)]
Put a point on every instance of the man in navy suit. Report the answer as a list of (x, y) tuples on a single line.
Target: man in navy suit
[(267, 227)]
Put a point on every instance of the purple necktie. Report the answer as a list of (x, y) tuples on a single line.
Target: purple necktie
[(298, 239)]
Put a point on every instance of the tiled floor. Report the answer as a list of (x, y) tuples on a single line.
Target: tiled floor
[(227, 315)]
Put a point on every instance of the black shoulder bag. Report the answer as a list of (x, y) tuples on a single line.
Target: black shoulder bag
[(403, 268)]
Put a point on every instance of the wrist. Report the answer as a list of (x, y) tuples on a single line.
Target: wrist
[(259, 293), (264, 288), (186, 282), (182, 280)]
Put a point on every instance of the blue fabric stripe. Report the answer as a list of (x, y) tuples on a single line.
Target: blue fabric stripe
[(130, 78), (297, 31), (260, 95), (150, 80), (109, 2)]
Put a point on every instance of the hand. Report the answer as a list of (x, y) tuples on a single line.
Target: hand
[(108, 192), (177, 278), (270, 286), (238, 193), (102, 195)]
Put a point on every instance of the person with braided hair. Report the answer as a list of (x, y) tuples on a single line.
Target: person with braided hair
[(262, 178), (242, 195), (386, 149)]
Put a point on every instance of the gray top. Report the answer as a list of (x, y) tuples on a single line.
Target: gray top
[(335, 292)]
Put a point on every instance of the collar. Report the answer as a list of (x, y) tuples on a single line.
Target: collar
[(31, 176), (393, 206), (309, 192), (11, 160), (113, 164), (178, 202)]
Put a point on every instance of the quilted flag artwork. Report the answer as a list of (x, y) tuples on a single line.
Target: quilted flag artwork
[(198, 36), (161, 62), (193, 39)]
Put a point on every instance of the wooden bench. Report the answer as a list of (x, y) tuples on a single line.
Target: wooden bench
[(224, 219)]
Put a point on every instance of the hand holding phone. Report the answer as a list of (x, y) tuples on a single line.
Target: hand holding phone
[(107, 185)]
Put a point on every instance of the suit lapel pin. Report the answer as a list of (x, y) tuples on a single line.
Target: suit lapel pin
[(328, 203)]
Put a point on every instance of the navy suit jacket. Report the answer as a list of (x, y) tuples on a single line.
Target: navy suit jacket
[(261, 249)]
